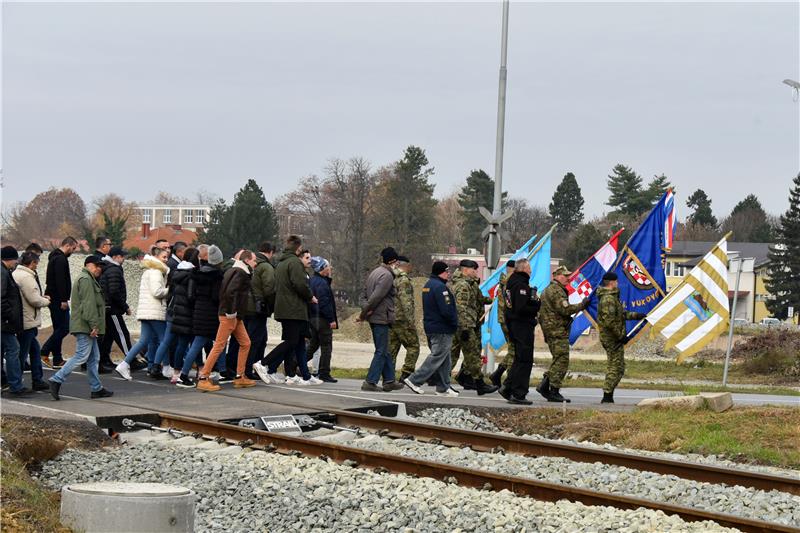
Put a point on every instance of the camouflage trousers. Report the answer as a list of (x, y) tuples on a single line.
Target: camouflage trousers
[(508, 361), (472, 353), (615, 352), (559, 349), (401, 334)]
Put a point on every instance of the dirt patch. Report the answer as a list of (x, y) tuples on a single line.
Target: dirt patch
[(34, 440)]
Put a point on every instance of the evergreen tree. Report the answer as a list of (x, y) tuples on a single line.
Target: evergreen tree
[(479, 191), (655, 190), (784, 257), (584, 242), (406, 207), (566, 209), (247, 222), (702, 215), (114, 228), (627, 196), (749, 222)]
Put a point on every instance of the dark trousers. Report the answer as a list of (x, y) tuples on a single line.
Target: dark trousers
[(116, 331), (60, 330), (256, 327), (521, 334), (322, 339), (294, 332)]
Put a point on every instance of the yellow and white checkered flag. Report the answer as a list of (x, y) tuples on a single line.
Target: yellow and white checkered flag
[(697, 310)]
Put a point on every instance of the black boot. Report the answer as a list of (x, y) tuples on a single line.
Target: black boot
[(544, 387), (555, 396), (465, 381), (608, 397), (483, 388), (497, 376)]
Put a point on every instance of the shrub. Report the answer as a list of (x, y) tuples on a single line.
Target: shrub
[(773, 352)]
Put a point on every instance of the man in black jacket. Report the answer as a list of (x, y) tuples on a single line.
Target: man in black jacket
[(59, 286), (11, 321), (112, 281), (522, 305), (102, 245)]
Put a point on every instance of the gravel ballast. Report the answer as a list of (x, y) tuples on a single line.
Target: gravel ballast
[(258, 491)]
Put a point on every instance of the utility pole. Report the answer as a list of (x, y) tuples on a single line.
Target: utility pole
[(496, 217)]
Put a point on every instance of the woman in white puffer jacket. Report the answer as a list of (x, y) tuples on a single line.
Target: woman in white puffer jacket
[(151, 312)]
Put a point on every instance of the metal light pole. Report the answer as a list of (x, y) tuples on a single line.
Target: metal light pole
[(732, 316), (496, 217)]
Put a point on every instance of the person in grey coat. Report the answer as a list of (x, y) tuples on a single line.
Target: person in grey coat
[(377, 307)]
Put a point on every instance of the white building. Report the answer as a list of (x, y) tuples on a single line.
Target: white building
[(188, 216)]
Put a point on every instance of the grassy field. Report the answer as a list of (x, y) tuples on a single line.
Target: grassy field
[(754, 435), (26, 506)]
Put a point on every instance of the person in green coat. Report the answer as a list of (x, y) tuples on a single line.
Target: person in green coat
[(611, 317), (87, 323)]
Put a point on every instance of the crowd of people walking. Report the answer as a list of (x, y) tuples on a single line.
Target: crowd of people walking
[(197, 310)]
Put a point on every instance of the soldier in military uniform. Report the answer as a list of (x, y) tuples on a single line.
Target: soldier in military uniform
[(497, 376), (470, 303), (611, 317), (404, 329), (555, 319)]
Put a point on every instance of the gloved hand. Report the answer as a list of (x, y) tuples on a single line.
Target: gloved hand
[(585, 304), (464, 335), (230, 316)]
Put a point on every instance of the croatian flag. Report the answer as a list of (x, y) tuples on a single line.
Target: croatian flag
[(670, 219), (584, 281)]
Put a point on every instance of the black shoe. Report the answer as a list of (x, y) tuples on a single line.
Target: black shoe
[(20, 393), (103, 369), (155, 373), (465, 381), (555, 396), (226, 377), (84, 367), (54, 388), (138, 364), (58, 363), (519, 401), (505, 392), (404, 375), (40, 385), (252, 375), (327, 378), (544, 387), (608, 397), (185, 382), (497, 376), (483, 388), (389, 386), (370, 387), (102, 393)]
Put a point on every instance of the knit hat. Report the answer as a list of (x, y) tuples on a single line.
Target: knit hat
[(388, 255), (215, 255), (8, 253), (438, 268), (610, 276), (319, 263), (468, 263)]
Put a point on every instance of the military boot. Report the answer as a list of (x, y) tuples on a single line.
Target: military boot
[(608, 397), (555, 396), (483, 388), (544, 387), (465, 380), (497, 376)]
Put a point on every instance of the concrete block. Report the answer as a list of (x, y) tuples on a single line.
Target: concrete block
[(110, 507), (689, 403), (718, 401)]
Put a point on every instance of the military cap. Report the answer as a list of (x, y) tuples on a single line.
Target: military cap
[(610, 276), (468, 263), (511, 263), (403, 259), (562, 271)]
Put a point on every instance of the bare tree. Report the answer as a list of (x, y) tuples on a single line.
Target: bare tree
[(525, 221), (449, 216)]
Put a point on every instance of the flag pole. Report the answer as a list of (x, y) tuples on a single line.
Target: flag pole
[(731, 317)]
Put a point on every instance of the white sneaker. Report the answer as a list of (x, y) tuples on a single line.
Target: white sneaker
[(413, 387), (450, 393), (124, 370), (167, 371), (303, 382), (262, 372), (295, 380), (315, 381), (276, 379), (214, 376)]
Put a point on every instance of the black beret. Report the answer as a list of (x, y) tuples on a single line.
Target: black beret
[(403, 259), (610, 276), (468, 263), (511, 263)]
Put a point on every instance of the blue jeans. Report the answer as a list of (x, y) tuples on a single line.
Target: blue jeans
[(86, 351), (60, 330), (197, 345), (437, 364), (152, 335), (381, 364), (9, 344), (180, 342), (29, 344)]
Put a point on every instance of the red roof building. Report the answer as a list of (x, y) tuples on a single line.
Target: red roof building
[(146, 238)]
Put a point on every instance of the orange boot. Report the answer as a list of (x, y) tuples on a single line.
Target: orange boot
[(242, 382), (206, 385)]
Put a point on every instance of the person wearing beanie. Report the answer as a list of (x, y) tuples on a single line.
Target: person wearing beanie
[(404, 329), (611, 317), (58, 284), (497, 376), (377, 307), (323, 317), (264, 303), (440, 320), (470, 303), (87, 323), (12, 321), (32, 303)]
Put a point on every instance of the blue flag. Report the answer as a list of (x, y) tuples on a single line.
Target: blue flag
[(541, 273), (491, 332), (491, 282)]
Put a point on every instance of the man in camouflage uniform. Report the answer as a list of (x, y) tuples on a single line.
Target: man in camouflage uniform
[(470, 303), (611, 317), (555, 319), (497, 376), (404, 329)]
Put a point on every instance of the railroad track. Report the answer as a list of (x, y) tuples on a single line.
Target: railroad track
[(463, 476)]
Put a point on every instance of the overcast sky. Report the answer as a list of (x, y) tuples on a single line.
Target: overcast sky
[(137, 98)]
